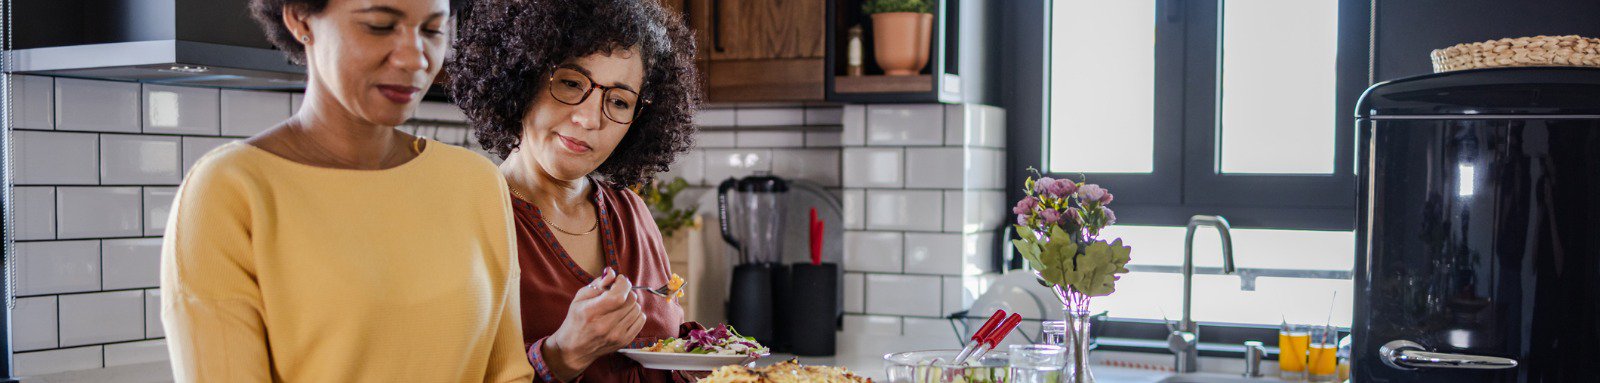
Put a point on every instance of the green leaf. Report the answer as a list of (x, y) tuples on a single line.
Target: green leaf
[(1029, 251)]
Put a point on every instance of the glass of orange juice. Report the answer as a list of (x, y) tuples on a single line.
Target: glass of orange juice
[(1293, 342), (1323, 362)]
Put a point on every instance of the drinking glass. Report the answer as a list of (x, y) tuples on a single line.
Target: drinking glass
[(1292, 349), (1053, 332), (1323, 363), (1037, 363)]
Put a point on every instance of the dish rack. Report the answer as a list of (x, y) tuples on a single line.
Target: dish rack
[(1569, 50)]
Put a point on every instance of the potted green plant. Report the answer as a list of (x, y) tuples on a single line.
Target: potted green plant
[(901, 32)]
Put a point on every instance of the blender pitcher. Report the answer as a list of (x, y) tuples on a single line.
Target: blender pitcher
[(751, 214)]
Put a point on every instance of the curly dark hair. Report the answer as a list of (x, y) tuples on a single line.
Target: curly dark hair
[(269, 15), (506, 48)]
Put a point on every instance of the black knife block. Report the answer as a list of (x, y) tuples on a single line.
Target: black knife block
[(813, 309)]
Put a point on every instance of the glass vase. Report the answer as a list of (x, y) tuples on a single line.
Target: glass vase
[(1076, 307)]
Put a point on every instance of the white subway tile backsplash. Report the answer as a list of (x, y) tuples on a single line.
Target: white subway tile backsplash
[(978, 252), (157, 209), (33, 323), (954, 295), (101, 317), (127, 159), (930, 329), (246, 112), (914, 295), (35, 212), (722, 164), (990, 211), (98, 212), (770, 116), (196, 147), (714, 117), (873, 167), (769, 139), (57, 158), (936, 167), (975, 210), (975, 125), (33, 102), (816, 165), (181, 110), (871, 324), (149, 351), (54, 361), (873, 251), (440, 111), (152, 314), (101, 106), (910, 210), (295, 99), (823, 138), (722, 139), (824, 115), (905, 125), (130, 263), (855, 213), (933, 253), (57, 267), (855, 295), (855, 125), (690, 165), (985, 169), (954, 215)]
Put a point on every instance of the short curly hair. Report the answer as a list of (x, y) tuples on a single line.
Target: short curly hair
[(269, 15), (505, 49)]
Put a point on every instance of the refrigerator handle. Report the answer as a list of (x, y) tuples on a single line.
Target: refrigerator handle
[(1408, 355)]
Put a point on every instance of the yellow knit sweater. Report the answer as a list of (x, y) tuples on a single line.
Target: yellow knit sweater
[(278, 271)]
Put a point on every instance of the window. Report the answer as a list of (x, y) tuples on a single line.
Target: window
[(1106, 96), (1277, 91), (1239, 108)]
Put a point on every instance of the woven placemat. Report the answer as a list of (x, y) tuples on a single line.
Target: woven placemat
[(1570, 50)]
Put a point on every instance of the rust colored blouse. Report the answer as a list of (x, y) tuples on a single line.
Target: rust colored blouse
[(630, 244)]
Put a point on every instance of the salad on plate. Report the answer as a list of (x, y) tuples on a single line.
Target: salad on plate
[(722, 340)]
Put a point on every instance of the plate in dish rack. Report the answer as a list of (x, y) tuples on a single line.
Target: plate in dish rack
[(681, 361)]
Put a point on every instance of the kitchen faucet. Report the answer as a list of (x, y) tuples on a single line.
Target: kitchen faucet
[(1184, 340)]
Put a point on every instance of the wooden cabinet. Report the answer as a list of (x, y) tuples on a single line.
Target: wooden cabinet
[(759, 50)]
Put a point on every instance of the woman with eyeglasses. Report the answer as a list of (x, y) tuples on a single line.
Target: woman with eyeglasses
[(333, 247), (582, 98)]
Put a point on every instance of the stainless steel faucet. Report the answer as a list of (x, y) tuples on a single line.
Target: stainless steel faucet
[(1184, 341)]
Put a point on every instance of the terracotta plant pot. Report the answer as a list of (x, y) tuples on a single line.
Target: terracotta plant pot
[(900, 41)]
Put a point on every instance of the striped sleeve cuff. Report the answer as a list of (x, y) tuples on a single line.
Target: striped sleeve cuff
[(541, 369)]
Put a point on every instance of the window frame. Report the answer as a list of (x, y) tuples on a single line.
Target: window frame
[(1186, 177), (1179, 186)]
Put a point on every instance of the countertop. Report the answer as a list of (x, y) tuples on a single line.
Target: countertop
[(869, 364)]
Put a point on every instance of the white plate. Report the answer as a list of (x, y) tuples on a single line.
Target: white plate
[(681, 361)]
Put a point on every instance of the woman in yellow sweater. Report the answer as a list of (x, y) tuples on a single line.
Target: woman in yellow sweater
[(333, 248)]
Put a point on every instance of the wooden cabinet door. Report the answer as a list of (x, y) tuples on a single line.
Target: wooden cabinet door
[(767, 29), (757, 50)]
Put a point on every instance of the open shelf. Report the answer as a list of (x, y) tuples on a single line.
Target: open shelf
[(949, 77), (883, 84)]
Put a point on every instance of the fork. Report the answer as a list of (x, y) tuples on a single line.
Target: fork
[(664, 291)]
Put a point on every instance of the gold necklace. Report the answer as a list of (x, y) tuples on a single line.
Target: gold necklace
[(553, 225)]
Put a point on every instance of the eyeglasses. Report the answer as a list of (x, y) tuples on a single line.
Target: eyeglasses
[(571, 87)]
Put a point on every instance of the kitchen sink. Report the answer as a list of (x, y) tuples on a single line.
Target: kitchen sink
[(1215, 378)]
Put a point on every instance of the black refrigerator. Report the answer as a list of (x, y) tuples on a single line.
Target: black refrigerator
[(1478, 236)]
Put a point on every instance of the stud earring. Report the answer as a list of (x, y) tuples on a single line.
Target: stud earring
[(305, 39)]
